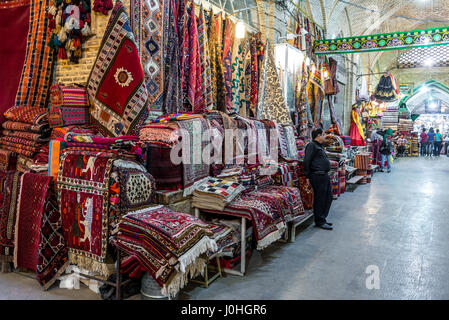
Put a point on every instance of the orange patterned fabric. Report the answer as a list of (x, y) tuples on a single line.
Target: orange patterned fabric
[(37, 68)]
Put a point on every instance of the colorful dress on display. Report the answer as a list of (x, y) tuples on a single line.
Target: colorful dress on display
[(387, 89), (356, 130)]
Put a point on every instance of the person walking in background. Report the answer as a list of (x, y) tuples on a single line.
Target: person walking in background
[(386, 149), (438, 142), (423, 137), (430, 142), (316, 168)]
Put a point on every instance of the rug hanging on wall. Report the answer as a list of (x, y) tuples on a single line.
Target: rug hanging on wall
[(116, 84), (271, 102), (37, 69), (148, 19), (14, 16)]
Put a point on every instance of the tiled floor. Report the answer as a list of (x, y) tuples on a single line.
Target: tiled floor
[(399, 223)]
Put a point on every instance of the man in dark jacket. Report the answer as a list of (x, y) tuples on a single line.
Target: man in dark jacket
[(316, 168)]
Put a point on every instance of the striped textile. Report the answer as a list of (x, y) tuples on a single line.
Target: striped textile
[(68, 96), (38, 65)]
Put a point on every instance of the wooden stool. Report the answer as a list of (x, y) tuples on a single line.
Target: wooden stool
[(205, 283)]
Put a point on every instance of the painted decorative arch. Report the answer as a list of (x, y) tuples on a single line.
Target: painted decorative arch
[(436, 89)]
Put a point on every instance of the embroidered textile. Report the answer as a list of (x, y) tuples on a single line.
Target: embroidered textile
[(38, 64), (8, 211), (83, 196), (116, 84), (271, 102)]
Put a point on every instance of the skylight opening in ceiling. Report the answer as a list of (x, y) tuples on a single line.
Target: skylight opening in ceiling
[(424, 57)]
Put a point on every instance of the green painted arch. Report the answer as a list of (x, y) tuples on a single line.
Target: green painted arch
[(428, 84)]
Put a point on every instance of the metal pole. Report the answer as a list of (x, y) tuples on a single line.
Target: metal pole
[(243, 247), (117, 280)]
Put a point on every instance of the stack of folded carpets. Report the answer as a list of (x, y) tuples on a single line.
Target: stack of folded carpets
[(166, 244), (224, 236), (95, 189), (69, 106), (26, 132), (215, 193), (162, 136), (269, 208)]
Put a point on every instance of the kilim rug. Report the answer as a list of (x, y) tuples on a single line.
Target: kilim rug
[(116, 83), (167, 244), (196, 169), (52, 254), (30, 207), (37, 69), (8, 215), (26, 114), (271, 102), (206, 76), (148, 19), (83, 197), (136, 185), (227, 60), (14, 16)]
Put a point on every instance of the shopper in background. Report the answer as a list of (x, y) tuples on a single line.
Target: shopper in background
[(316, 168), (401, 143), (385, 150), (430, 142), (423, 136), (438, 142), (446, 145)]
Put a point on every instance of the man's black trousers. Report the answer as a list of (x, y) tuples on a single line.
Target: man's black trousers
[(322, 197)]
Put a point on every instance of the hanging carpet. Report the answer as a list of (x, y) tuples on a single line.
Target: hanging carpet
[(37, 69), (14, 17), (83, 197), (271, 102), (116, 84)]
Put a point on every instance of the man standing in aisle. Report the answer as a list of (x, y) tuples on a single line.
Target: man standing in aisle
[(316, 168), (438, 141)]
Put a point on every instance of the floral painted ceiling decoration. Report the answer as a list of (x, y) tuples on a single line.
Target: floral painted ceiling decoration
[(384, 42)]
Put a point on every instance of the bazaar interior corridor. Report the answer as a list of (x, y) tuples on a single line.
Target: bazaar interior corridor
[(398, 223)]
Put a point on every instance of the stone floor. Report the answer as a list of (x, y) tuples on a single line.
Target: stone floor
[(399, 224)]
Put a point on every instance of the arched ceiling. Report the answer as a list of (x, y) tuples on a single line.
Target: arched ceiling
[(429, 93)]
